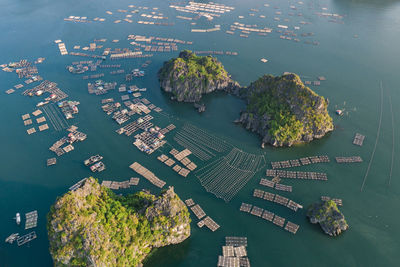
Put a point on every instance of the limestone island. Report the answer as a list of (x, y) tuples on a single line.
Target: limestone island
[(284, 111), (189, 76), (327, 214), (92, 226)]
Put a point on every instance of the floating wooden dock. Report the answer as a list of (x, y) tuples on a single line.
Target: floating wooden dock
[(299, 162), (297, 175), (353, 159), (147, 174), (358, 139)]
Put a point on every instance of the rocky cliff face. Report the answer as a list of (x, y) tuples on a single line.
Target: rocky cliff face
[(284, 111), (188, 77), (328, 216), (93, 227)]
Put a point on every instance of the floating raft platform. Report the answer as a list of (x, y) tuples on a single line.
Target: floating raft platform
[(277, 186), (353, 159), (26, 238), (27, 122), (26, 116), (277, 199), (299, 162), (43, 127), (31, 130), (31, 219), (358, 139), (120, 185), (236, 241), (271, 217), (297, 175), (210, 223), (189, 202), (198, 211), (338, 201), (147, 174), (51, 161)]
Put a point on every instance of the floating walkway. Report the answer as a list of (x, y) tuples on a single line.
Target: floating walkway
[(225, 176), (147, 174), (299, 162), (297, 175), (269, 216), (277, 199)]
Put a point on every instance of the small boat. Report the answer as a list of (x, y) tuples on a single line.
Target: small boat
[(12, 238), (339, 112), (18, 218)]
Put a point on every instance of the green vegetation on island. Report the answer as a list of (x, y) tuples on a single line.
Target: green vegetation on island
[(329, 217), (92, 226), (189, 76), (284, 111)]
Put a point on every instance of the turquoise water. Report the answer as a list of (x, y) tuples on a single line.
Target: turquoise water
[(354, 68)]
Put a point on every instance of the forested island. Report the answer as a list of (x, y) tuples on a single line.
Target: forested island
[(281, 109), (92, 226), (329, 217)]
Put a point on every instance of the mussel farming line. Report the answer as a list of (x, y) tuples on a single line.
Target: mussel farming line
[(195, 143), (225, 176), (52, 119), (61, 116), (376, 141), (192, 147), (391, 165)]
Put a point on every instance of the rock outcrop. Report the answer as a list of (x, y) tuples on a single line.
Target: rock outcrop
[(188, 77), (91, 226), (327, 214), (284, 111)]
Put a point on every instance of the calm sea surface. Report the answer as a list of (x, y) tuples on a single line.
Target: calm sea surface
[(355, 67)]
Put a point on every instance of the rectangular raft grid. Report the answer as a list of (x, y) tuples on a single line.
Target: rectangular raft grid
[(271, 217), (147, 174)]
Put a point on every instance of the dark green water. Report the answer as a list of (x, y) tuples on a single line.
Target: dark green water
[(354, 68)]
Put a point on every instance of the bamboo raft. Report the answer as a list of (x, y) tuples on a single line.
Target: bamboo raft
[(270, 216), (147, 174)]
